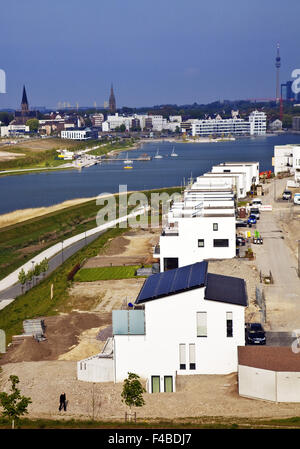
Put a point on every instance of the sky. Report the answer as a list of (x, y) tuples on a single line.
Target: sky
[(154, 52)]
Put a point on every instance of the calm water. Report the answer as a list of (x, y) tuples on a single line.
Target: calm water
[(46, 189)]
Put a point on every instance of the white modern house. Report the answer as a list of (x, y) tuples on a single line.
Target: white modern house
[(184, 321), (201, 226), (247, 172), (287, 159)]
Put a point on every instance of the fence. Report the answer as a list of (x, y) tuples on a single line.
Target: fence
[(261, 301)]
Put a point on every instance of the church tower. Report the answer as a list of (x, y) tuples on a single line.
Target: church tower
[(24, 104), (112, 101)]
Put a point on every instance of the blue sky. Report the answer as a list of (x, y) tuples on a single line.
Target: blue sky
[(154, 52)]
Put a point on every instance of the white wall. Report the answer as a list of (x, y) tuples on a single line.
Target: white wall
[(96, 369), (171, 321), (257, 383), (288, 387)]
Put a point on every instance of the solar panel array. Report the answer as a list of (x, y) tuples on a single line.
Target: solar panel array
[(173, 281)]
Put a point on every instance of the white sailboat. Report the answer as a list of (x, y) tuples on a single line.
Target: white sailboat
[(127, 161), (173, 154), (157, 156)]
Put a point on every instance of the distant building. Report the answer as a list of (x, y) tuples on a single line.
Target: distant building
[(276, 125), (13, 130), (97, 120), (112, 101), (287, 159), (21, 116), (79, 134)]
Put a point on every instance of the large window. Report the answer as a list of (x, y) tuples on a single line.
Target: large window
[(168, 384), (182, 357), (155, 384), (229, 324), (200, 243), (201, 324), (221, 243), (192, 355)]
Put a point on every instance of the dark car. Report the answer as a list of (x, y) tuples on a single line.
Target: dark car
[(241, 223), (255, 211), (255, 334), (240, 241), (287, 195)]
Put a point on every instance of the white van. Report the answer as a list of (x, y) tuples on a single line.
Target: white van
[(256, 202), (297, 198)]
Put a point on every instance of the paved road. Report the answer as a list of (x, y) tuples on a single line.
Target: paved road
[(282, 298), (54, 262)]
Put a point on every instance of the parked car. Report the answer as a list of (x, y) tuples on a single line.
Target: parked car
[(251, 220), (241, 223), (287, 195), (255, 334), (240, 241), (297, 198), (256, 202), (255, 211)]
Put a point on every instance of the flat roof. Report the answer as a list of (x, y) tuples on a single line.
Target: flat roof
[(273, 358)]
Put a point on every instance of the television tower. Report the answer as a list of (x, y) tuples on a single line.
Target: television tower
[(277, 65)]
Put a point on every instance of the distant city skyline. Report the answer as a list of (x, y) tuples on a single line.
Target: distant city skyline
[(169, 53)]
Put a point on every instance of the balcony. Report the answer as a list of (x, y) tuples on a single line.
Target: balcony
[(128, 322)]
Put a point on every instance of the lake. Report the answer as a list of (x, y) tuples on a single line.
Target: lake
[(48, 188)]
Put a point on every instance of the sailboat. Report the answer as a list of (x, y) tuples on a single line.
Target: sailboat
[(157, 156), (127, 161), (173, 154)]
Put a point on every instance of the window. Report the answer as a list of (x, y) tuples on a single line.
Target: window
[(168, 384), (170, 263), (200, 243), (201, 324), (221, 243), (155, 384), (229, 324), (182, 362), (192, 355), (215, 226)]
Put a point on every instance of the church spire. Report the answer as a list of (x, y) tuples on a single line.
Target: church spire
[(112, 100), (24, 104)]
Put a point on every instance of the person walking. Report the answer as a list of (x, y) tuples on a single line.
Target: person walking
[(62, 402)]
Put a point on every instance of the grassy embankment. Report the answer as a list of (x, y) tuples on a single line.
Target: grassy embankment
[(39, 153), (203, 422), (23, 239)]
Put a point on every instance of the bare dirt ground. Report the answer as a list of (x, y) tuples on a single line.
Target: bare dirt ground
[(7, 156), (133, 247), (244, 269), (196, 396), (64, 333)]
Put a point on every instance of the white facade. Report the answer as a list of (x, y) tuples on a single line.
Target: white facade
[(6, 131), (287, 158), (75, 134), (171, 346), (256, 125)]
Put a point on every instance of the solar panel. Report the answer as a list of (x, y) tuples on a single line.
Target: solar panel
[(173, 281)]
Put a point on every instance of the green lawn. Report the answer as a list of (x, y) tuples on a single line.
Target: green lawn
[(106, 273)]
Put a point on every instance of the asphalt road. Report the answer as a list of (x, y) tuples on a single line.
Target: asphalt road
[(54, 262)]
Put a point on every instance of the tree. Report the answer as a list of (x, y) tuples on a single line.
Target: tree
[(14, 405), (122, 128), (33, 124), (133, 390), (22, 278), (44, 266)]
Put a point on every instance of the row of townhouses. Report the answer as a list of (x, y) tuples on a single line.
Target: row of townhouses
[(185, 319)]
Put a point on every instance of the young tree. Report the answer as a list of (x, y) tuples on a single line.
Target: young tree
[(44, 266), (33, 124), (133, 390), (22, 278), (14, 405)]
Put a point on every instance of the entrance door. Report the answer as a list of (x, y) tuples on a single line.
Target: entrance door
[(168, 384), (155, 381)]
